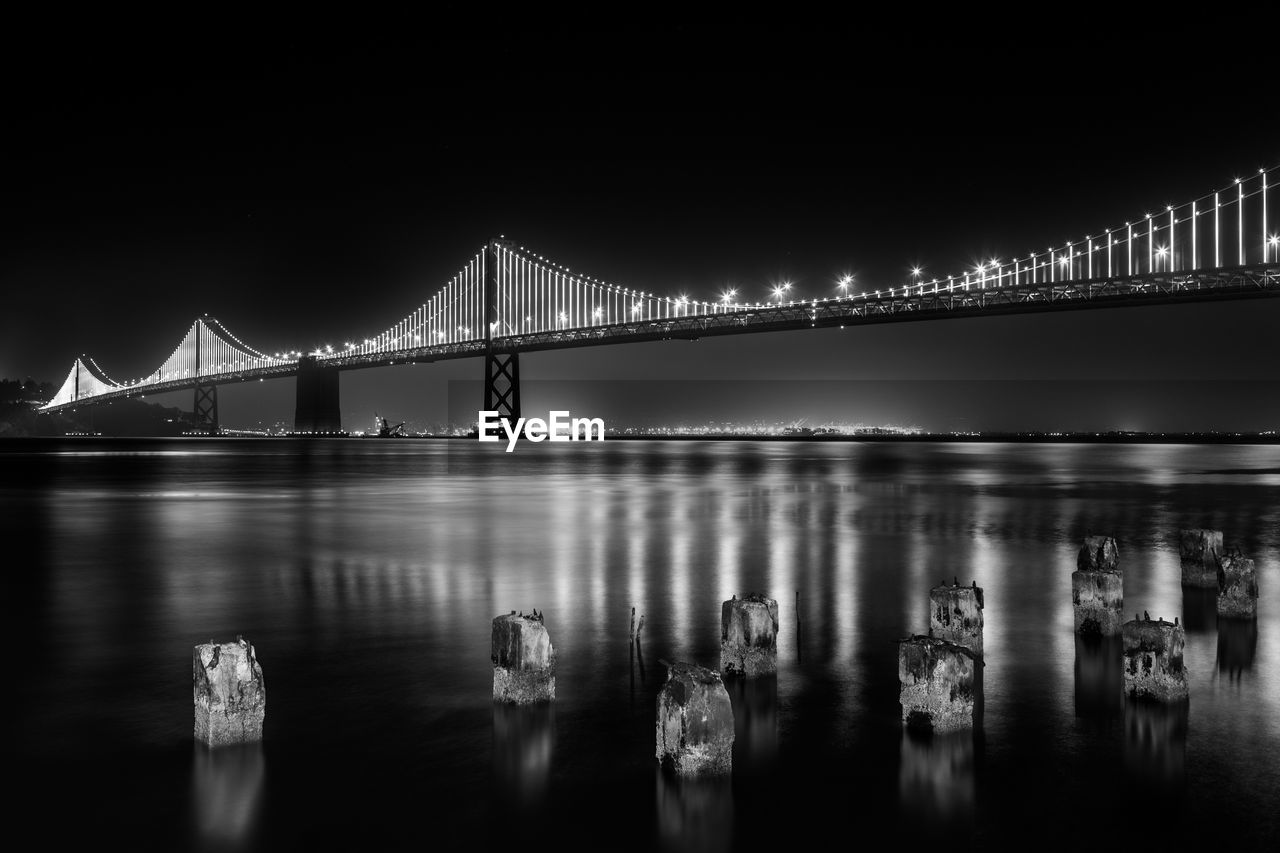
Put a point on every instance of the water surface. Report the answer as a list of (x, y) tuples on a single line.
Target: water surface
[(367, 573)]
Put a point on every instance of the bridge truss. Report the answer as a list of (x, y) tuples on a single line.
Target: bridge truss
[(507, 299)]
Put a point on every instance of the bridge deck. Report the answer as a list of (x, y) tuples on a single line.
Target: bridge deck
[(922, 302)]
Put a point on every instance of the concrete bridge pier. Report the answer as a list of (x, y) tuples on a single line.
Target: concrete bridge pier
[(205, 408), (318, 410)]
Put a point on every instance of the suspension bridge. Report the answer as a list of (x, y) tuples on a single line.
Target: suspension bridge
[(507, 299)]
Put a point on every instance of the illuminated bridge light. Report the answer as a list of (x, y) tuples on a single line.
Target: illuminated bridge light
[(549, 297)]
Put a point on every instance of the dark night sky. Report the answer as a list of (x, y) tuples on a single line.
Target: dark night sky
[(308, 191)]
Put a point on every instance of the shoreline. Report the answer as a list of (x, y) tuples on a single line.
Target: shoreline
[(942, 438)]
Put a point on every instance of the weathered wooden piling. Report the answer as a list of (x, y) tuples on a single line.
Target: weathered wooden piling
[(229, 692), (695, 722), (749, 636), (1153, 666), (1097, 588), (938, 683), (1201, 555), (955, 614), (524, 661), (1237, 587)]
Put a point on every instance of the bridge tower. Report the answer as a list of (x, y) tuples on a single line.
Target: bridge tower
[(318, 409), (501, 369), (205, 406)]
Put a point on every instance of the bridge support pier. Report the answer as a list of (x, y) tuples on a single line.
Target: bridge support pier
[(318, 410), (206, 408), (502, 384)]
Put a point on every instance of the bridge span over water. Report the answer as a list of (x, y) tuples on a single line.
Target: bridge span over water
[(507, 299)]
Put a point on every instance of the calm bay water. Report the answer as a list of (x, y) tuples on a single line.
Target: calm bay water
[(367, 572)]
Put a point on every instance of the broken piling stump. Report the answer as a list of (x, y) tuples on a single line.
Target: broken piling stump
[(1201, 554), (938, 683), (1097, 588), (229, 692), (1237, 587), (524, 661), (695, 722), (955, 614), (1153, 666), (749, 636)]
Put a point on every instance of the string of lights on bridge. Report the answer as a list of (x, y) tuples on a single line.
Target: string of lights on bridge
[(537, 296)]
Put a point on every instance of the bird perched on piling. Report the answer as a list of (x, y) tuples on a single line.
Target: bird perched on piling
[(735, 597), (1146, 617)]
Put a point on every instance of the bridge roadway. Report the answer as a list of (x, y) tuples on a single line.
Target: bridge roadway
[(920, 302)]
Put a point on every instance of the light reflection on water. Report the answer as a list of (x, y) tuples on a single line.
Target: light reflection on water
[(366, 573)]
